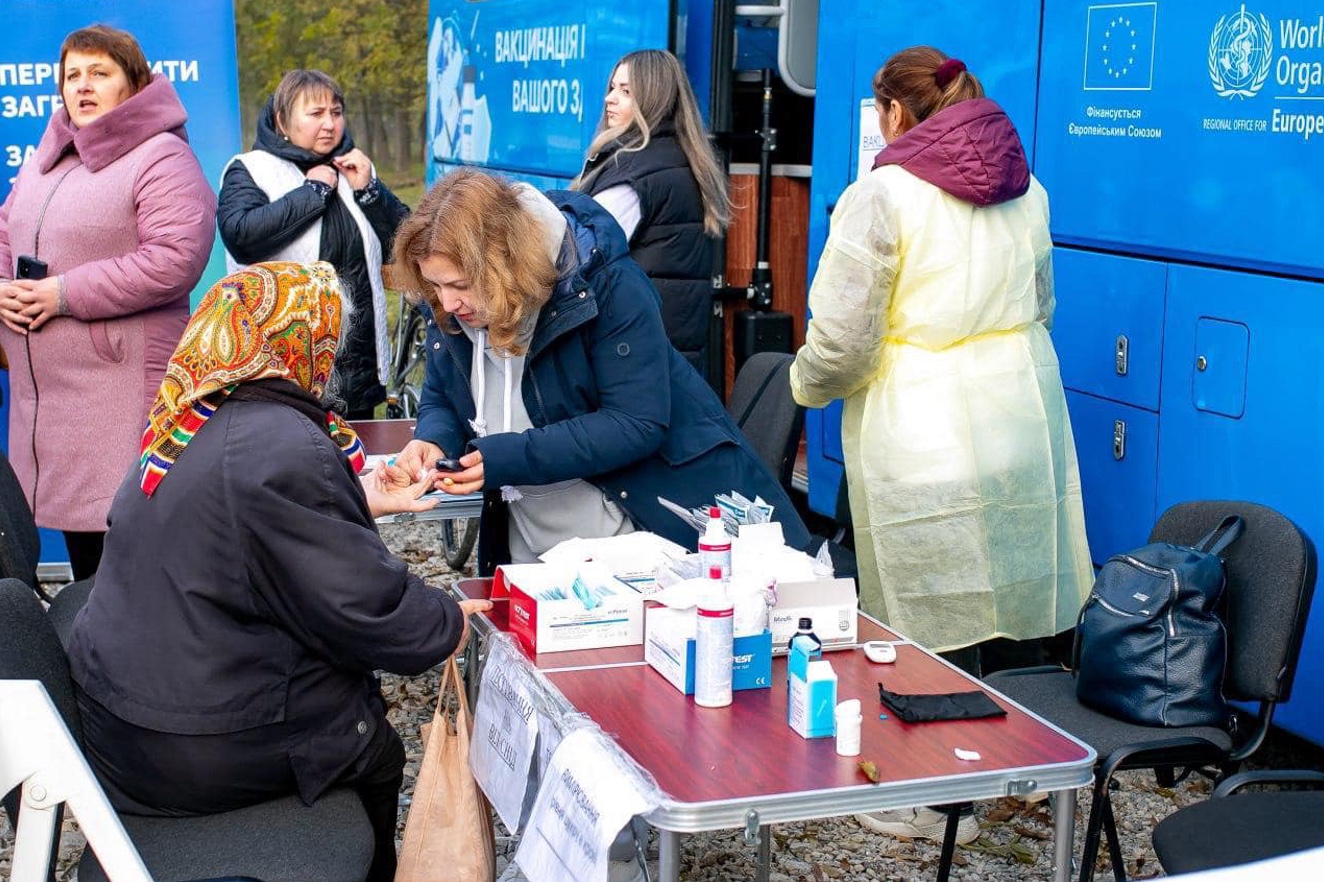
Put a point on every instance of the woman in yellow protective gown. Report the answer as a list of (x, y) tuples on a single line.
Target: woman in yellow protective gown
[(931, 310)]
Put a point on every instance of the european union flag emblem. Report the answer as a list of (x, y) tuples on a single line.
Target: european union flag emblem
[(1119, 47)]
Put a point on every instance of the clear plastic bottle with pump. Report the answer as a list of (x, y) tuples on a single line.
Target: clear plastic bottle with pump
[(715, 545), (713, 645)]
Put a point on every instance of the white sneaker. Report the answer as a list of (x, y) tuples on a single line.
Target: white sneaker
[(919, 823), (624, 871)]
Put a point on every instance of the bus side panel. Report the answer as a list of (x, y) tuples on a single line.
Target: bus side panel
[(1242, 386)]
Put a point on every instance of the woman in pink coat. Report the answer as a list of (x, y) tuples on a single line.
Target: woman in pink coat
[(107, 230)]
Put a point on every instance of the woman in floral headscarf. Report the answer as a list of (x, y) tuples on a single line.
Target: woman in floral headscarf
[(226, 654)]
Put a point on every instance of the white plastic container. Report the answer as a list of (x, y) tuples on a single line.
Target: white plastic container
[(849, 718), (715, 545), (713, 642)]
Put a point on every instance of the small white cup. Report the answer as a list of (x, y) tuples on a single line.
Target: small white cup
[(848, 719)]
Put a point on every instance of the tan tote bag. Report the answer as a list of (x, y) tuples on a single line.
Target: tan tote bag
[(448, 832)]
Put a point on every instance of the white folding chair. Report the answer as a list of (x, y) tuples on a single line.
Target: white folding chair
[(37, 752)]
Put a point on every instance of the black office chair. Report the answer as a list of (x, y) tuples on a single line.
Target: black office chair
[(20, 545), (1270, 581), (278, 841), (64, 607), (1223, 832), (762, 406)]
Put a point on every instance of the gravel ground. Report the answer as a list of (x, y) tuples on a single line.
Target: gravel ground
[(1015, 841)]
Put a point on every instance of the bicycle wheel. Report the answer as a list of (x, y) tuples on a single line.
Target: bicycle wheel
[(458, 537), (408, 368)]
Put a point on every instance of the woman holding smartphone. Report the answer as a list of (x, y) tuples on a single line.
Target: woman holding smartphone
[(95, 301)]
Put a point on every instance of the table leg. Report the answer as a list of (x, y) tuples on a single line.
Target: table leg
[(763, 866), (1064, 833), (668, 856)]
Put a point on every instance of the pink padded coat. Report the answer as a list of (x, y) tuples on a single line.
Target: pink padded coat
[(121, 209)]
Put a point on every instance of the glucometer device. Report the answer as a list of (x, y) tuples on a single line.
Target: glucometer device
[(879, 652)]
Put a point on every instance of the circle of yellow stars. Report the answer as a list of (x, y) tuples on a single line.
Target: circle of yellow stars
[(1119, 35)]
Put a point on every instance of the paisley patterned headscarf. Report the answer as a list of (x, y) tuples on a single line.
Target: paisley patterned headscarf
[(268, 321)]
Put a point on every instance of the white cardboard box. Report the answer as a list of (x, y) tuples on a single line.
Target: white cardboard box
[(557, 625), (669, 650), (831, 603)]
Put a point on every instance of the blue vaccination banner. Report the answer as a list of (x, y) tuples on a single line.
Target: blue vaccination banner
[(1186, 129), (192, 43), (517, 85)]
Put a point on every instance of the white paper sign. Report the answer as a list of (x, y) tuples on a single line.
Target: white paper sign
[(584, 800), (505, 730), (871, 137), (548, 742)]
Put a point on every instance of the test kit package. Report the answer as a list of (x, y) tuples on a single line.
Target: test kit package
[(811, 701), (669, 650), (554, 608), (831, 603)]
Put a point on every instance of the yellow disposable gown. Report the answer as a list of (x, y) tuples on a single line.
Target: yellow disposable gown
[(930, 318)]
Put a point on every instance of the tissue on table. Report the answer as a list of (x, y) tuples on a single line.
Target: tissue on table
[(751, 600), (634, 558)]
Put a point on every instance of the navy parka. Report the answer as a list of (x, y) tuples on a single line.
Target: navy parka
[(611, 401)]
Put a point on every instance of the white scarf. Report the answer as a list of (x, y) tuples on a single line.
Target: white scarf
[(276, 177)]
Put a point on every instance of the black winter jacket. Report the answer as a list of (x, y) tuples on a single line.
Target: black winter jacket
[(252, 588), (253, 228), (669, 243)]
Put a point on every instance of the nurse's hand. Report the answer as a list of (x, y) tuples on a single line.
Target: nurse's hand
[(467, 480), (414, 462), (388, 495)]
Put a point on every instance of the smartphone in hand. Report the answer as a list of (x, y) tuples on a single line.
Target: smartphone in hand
[(30, 268), (449, 464)]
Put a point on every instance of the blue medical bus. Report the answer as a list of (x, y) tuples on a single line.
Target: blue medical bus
[(1180, 142)]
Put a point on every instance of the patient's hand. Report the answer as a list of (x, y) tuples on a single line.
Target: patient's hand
[(388, 494)]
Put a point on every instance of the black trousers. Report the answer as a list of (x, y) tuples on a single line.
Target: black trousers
[(145, 772), (84, 552)]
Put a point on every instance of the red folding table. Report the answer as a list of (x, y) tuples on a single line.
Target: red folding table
[(743, 767)]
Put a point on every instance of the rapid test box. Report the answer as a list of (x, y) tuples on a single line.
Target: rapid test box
[(811, 700), (830, 603), (669, 650), (547, 613)]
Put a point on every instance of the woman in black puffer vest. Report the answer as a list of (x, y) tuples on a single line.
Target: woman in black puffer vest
[(650, 165)]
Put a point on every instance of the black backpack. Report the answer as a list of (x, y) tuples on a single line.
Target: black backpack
[(1150, 647)]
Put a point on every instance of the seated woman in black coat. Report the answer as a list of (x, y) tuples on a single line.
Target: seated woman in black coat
[(245, 598)]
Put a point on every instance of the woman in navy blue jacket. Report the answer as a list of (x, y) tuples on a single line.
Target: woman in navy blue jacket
[(551, 379)]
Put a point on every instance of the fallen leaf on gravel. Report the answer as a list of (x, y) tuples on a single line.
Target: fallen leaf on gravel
[(818, 873), (1000, 814), (1023, 853), (1031, 833), (1043, 816)]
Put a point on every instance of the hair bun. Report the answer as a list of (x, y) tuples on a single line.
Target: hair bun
[(948, 71)]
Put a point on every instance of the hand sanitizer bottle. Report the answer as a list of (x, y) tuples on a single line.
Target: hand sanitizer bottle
[(713, 638), (715, 545)]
